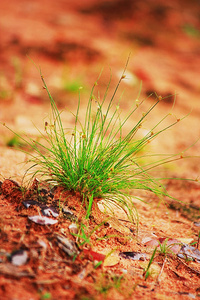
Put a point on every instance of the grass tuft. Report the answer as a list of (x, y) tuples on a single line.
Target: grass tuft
[(95, 157)]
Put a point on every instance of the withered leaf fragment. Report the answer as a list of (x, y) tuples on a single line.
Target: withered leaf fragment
[(189, 252), (42, 220), (67, 245), (133, 255), (19, 257)]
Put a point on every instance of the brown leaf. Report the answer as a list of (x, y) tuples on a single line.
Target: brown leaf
[(94, 255), (133, 255), (42, 220), (111, 260), (14, 271)]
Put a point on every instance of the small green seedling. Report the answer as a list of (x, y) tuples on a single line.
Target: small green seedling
[(108, 282), (83, 238), (84, 234), (117, 281), (45, 295), (15, 142), (98, 264), (165, 248), (72, 86), (146, 272)]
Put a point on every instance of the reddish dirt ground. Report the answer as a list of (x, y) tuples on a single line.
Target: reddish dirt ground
[(71, 42)]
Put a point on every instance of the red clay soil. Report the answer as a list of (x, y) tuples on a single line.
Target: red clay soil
[(49, 271), (71, 42)]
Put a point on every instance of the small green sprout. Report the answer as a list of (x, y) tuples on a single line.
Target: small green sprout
[(166, 248), (72, 86), (15, 142), (146, 272), (109, 281)]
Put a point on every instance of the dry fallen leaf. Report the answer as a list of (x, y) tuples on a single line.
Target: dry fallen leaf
[(19, 258), (152, 243), (14, 271), (154, 269), (73, 228), (173, 245), (189, 252), (67, 245), (133, 255), (46, 211), (111, 260), (114, 223), (93, 255), (42, 220), (50, 211), (197, 224), (185, 240)]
